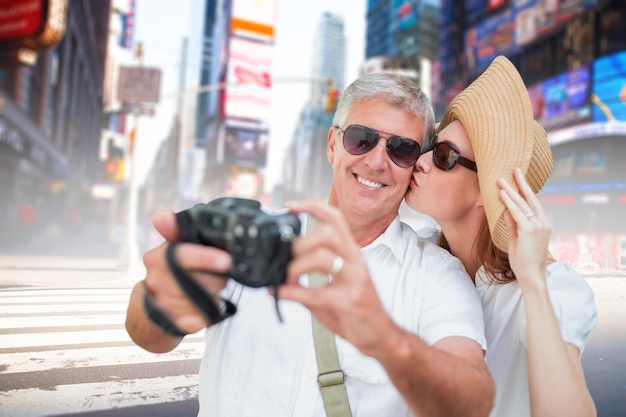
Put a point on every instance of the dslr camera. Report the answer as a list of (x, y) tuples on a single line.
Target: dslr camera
[(258, 242)]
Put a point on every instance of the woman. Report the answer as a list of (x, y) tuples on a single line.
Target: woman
[(478, 179)]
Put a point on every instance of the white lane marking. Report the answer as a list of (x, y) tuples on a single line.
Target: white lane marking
[(77, 398), (101, 356)]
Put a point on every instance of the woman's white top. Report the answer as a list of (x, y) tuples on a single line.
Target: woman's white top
[(505, 330)]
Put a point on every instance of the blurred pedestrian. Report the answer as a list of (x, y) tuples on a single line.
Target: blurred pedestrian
[(28, 218)]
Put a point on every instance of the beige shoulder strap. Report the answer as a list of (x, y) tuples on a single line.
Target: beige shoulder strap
[(330, 377)]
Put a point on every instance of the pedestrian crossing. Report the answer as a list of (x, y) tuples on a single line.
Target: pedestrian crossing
[(66, 351)]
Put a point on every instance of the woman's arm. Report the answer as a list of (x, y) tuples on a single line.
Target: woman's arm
[(555, 374), (556, 379)]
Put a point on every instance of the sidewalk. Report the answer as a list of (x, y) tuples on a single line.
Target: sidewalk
[(76, 264)]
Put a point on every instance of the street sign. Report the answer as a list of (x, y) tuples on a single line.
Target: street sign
[(138, 109), (139, 84)]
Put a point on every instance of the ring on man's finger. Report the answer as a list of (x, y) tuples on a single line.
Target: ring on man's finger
[(337, 265), (531, 214)]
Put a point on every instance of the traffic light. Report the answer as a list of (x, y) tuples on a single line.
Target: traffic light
[(132, 136), (331, 100), (116, 169)]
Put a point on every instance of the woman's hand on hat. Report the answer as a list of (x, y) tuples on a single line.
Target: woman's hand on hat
[(528, 226)]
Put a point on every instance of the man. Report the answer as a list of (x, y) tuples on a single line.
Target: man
[(410, 324)]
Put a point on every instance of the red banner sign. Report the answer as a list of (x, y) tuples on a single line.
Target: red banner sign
[(20, 18)]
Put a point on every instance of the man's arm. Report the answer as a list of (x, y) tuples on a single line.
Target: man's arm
[(142, 330), (448, 378), (167, 294)]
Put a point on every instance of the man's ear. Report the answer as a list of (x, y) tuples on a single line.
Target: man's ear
[(331, 142)]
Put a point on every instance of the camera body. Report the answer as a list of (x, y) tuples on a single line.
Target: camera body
[(258, 242)]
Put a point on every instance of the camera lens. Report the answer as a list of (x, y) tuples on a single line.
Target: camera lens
[(217, 223)]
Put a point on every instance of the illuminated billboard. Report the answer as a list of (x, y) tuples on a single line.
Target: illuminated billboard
[(249, 80), (243, 184), (534, 18), (489, 38), (562, 100), (35, 24), (404, 14), (245, 146), (20, 18), (255, 18), (609, 88), (474, 9)]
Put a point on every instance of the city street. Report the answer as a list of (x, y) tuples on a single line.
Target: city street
[(64, 350), (604, 360)]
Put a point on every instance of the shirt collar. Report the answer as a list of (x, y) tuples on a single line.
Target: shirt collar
[(391, 238)]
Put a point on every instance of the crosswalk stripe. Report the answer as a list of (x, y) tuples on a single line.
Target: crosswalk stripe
[(75, 340), (15, 340), (99, 396), (43, 308), (54, 292), (10, 322), (101, 356)]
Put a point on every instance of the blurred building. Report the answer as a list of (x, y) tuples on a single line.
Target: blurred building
[(232, 110), (572, 56), (403, 35), (306, 171), (51, 113), (218, 145)]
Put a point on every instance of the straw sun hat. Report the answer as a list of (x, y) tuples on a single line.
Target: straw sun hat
[(497, 114)]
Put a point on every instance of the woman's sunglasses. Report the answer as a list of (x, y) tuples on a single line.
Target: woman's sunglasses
[(446, 155), (358, 140)]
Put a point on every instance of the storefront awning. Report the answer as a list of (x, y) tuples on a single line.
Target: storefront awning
[(21, 136)]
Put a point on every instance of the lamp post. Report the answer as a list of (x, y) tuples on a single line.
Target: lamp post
[(138, 93)]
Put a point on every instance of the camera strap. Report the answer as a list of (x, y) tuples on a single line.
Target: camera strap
[(331, 377), (201, 299)]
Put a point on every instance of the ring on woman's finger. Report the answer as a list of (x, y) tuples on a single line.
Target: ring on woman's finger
[(337, 265), (531, 214)]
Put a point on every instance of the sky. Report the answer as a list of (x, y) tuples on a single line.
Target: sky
[(161, 26)]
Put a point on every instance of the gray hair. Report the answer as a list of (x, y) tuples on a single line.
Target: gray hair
[(396, 90)]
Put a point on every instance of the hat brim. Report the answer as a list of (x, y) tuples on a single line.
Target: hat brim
[(497, 114)]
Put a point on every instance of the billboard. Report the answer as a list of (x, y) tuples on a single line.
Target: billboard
[(609, 88), (243, 184), (245, 146), (474, 9), (404, 13), (20, 18), (534, 18), (249, 80), (128, 26), (391, 64), (591, 162), (489, 38), (562, 100), (254, 18), (35, 24)]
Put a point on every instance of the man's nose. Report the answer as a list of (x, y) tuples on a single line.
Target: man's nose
[(378, 156)]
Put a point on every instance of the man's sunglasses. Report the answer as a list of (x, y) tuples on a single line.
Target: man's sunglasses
[(446, 155), (358, 140)]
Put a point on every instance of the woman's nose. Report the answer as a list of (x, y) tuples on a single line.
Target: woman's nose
[(423, 163)]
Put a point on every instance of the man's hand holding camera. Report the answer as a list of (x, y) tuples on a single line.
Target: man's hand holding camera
[(349, 305), (197, 260)]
